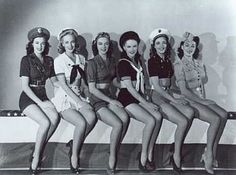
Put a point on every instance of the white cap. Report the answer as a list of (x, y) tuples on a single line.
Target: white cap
[(159, 32)]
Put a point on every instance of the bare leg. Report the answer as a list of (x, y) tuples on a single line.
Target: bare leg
[(76, 119), (181, 121), (121, 113), (36, 114), (140, 114), (108, 117), (223, 119)]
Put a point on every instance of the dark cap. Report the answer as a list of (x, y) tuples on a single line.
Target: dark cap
[(130, 35), (38, 32)]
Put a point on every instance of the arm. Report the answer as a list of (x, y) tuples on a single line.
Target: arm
[(102, 96), (128, 84), (31, 94)]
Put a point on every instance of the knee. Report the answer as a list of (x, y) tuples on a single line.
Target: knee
[(81, 125), (189, 113), (45, 123), (215, 120), (151, 122), (183, 123), (125, 118), (119, 125), (92, 117), (55, 119)]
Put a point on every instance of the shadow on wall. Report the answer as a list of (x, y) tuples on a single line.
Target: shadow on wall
[(209, 54), (227, 60)]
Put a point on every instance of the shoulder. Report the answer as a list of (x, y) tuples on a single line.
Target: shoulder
[(59, 58), (82, 58), (152, 61)]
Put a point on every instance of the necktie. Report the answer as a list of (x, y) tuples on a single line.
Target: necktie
[(74, 71)]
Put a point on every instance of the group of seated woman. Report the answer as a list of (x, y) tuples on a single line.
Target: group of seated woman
[(83, 93)]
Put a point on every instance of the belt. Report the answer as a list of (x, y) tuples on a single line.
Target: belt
[(102, 85), (38, 86), (37, 83)]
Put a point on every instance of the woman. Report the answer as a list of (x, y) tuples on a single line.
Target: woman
[(189, 72), (100, 72), (36, 67), (160, 73), (68, 99), (131, 96)]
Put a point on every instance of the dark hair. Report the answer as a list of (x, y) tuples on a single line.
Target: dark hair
[(30, 48), (180, 51), (61, 48), (153, 52), (94, 44)]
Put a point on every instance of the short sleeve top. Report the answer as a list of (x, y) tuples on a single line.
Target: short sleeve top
[(101, 71), (32, 67), (160, 67), (192, 72), (126, 71), (63, 64)]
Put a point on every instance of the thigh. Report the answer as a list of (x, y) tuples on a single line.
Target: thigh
[(171, 113), (186, 110), (34, 112), (139, 113), (73, 117), (51, 112), (88, 114), (219, 110), (156, 114), (120, 112), (204, 112), (108, 117)]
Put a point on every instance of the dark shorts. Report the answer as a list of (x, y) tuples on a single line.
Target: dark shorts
[(25, 100), (126, 98), (97, 103)]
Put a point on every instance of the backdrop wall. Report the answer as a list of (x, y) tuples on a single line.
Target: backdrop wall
[(214, 21)]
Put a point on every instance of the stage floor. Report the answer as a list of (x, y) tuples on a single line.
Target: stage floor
[(14, 159)]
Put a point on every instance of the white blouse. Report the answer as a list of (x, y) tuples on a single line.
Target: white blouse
[(63, 65)]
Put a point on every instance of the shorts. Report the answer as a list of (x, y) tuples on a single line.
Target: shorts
[(97, 103), (126, 98), (25, 100)]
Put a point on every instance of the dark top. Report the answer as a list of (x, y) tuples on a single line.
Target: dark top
[(125, 70), (100, 71), (160, 67), (36, 71)]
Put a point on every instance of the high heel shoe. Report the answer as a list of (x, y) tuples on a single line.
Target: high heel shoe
[(33, 171), (150, 165), (207, 165), (110, 171), (142, 167), (175, 167), (215, 163), (73, 170)]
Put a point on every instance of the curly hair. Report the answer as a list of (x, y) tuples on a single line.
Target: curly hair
[(180, 51), (30, 48), (61, 48), (153, 52), (94, 44)]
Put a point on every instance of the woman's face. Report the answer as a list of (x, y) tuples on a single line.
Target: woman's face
[(160, 45), (68, 42), (102, 45), (189, 48), (39, 44), (131, 48)]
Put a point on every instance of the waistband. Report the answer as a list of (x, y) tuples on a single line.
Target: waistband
[(103, 85), (36, 83)]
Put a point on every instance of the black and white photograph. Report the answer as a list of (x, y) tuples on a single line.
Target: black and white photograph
[(122, 87)]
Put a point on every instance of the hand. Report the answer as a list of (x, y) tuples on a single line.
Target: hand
[(46, 104), (152, 106), (115, 102), (180, 101), (207, 102)]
